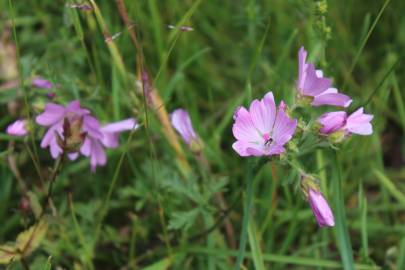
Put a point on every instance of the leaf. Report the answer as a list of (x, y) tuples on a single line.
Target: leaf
[(8, 254), (183, 220), (29, 240), (160, 265)]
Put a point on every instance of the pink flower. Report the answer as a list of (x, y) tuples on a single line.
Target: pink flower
[(263, 130), (311, 83), (94, 147), (42, 83), (18, 128), (320, 208), (85, 135), (181, 122), (358, 123)]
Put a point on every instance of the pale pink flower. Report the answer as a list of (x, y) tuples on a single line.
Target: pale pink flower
[(311, 83), (18, 128), (320, 208), (263, 130), (95, 137), (358, 123)]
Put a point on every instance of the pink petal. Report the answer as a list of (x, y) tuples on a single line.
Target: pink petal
[(284, 128), (73, 156), (91, 126), (313, 84), (263, 113), (124, 125), (42, 83), (181, 121), (111, 131), (302, 55), (359, 123), (335, 99), (75, 108), (86, 147), (97, 156), (243, 128), (50, 134), (56, 150), (52, 114), (332, 121)]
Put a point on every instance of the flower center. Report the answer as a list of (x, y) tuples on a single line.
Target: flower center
[(267, 139)]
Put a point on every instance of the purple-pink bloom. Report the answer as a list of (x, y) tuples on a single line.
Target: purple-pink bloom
[(263, 130), (17, 128), (95, 137), (311, 83), (320, 208), (182, 123), (358, 123), (42, 83)]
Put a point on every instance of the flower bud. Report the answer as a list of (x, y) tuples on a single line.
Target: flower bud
[(18, 128), (319, 206)]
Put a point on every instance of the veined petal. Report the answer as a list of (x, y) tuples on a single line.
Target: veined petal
[(263, 113), (284, 128), (243, 129)]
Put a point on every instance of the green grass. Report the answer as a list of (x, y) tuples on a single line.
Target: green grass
[(153, 206)]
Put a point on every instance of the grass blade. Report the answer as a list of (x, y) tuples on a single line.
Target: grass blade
[(341, 230), (245, 221)]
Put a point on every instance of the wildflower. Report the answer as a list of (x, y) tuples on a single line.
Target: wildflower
[(75, 131), (320, 208), (18, 128), (263, 130), (182, 123), (315, 88), (42, 83), (340, 124)]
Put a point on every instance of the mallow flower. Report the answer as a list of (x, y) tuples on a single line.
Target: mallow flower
[(313, 86), (18, 128), (73, 130), (181, 121), (263, 129), (342, 123)]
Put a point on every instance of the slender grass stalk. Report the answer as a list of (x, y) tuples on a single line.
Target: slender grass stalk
[(247, 209), (363, 43)]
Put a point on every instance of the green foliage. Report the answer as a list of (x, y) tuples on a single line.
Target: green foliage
[(141, 211)]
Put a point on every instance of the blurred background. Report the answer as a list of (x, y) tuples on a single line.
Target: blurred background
[(154, 203)]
